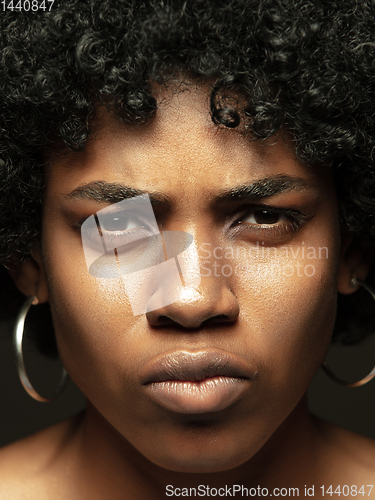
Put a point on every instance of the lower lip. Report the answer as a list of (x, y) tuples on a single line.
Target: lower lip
[(209, 395)]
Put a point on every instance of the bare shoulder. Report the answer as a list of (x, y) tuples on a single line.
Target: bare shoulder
[(25, 464), (353, 455)]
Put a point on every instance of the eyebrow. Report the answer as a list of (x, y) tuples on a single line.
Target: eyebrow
[(104, 192), (263, 188)]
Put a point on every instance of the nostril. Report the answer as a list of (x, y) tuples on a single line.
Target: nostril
[(220, 318), (164, 321)]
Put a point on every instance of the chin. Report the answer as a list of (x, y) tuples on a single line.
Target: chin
[(200, 456), (203, 463)]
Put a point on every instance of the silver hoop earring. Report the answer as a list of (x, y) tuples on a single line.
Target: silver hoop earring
[(20, 364), (353, 282)]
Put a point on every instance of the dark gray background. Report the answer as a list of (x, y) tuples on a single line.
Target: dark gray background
[(20, 415)]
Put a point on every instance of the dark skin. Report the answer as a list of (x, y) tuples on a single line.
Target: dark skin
[(280, 324)]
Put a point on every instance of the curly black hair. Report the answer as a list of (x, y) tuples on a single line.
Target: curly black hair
[(303, 66)]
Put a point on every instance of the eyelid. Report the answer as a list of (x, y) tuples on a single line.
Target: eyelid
[(99, 237), (252, 214), (78, 223), (287, 212), (273, 233), (129, 216)]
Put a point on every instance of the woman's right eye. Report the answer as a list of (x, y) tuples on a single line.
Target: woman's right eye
[(116, 229), (120, 222)]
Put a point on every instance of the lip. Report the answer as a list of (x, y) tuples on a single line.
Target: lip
[(197, 382)]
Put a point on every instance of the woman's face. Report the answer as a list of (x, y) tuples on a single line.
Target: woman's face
[(263, 305)]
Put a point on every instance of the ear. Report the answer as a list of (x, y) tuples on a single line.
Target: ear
[(355, 262), (30, 277)]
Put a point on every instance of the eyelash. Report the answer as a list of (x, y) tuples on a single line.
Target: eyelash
[(113, 238), (119, 238), (296, 220)]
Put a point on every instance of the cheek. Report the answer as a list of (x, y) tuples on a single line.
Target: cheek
[(93, 320), (288, 300)]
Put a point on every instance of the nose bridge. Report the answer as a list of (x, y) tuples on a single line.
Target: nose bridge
[(199, 264), (180, 245)]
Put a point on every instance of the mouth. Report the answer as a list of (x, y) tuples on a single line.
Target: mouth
[(197, 382)]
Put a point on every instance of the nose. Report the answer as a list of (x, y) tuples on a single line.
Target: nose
[(211, 303)]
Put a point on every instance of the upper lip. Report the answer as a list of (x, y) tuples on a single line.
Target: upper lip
[(196, 366)]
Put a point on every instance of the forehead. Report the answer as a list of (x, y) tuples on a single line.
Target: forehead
[(180, 150)]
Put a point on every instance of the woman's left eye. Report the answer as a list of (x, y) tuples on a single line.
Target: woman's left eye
[(264, 217), (268, 223)]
